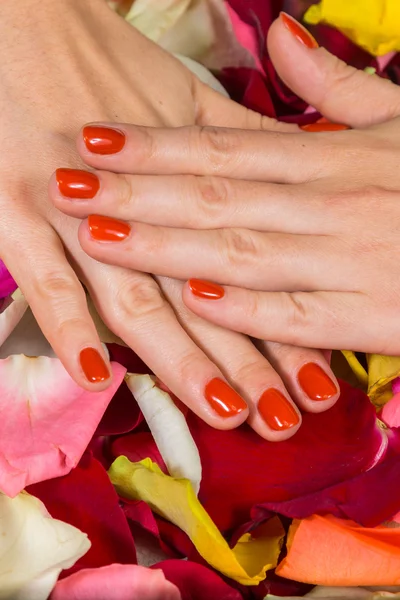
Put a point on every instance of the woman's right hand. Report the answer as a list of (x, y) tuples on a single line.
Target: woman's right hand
[(80, 62)]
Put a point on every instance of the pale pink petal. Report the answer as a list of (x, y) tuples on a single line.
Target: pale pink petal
[(116, 582), (46, 419), (246, 35), (11, 312)]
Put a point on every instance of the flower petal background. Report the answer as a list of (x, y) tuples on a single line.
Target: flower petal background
[(34, 548), (116, 582), (46, 419), (175, 500), (330, 551), (7, 283)]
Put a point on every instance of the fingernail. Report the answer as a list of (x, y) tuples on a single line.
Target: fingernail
[(105, 229), (103, 140), (223, 399), (316, 384), (93, 366), (315, 127), (298, 31), (277, 411), (74, 183), (206, 289)]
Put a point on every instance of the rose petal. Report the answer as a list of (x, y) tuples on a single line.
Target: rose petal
[(116, 582), (331, 551), (390, 413), (166, 423), (34, 548), (86, 499), (196, 582), (10, 316), (175, 500), (46, 419)]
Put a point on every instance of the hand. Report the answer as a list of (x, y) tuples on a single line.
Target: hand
[(315, 240), (50, 86)]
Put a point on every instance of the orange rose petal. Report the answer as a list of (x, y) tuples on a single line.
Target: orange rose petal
[(336, 552)]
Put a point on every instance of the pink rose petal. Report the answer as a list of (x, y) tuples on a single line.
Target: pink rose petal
[(390, 413), (7, 283), (116, 582), (46, 419)]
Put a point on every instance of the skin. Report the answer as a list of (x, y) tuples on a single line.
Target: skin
[(50, 87), (300, 228)]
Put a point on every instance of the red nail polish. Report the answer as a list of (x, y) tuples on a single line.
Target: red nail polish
[(206, 289), (93, 366), (223, 399), (74, 183), (301, 34), (277, 411), (103, 140), (326, 126), (105, 229), (315, 383)]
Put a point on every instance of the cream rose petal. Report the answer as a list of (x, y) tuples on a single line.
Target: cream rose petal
[(169, 429), (34, 548), (46, 419), (13, 310)]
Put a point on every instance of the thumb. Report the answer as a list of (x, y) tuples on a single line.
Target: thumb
[(339, 92)]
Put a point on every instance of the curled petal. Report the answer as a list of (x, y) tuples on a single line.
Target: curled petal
[(7, 283), (116, 582), (169, 429), (34, 548), (174, 500), (46, 419), (14, 309)]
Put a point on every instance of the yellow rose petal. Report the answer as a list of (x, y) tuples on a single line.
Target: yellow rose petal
[(372, 24), (378, 379), (175, 500)]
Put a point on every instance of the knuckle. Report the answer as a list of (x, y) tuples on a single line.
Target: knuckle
[(139, 300), (188, 366), (297, 316), (57, 286), (217, 147), (239, 248), (126, 195), (213, 196)]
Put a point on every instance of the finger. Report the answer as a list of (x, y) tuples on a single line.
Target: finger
[(306, 374), (240, 257), (272, 413), (328, 320), (192, 202), (133, 307), (56, 298), (217, 110), (340, 92), (237, 153)]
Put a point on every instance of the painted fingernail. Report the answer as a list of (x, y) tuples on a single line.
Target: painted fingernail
[(223, 399), (316, 384), (103, 140), (74, 183), (315, 127), (206, 289), (93, 366), (277, 411), (298, 31), (105, 229)]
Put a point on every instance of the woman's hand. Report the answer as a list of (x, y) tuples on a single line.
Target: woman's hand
[(82, 62), (307, 222)]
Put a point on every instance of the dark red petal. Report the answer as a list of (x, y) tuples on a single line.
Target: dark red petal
[(86, 499), (240, 469)]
